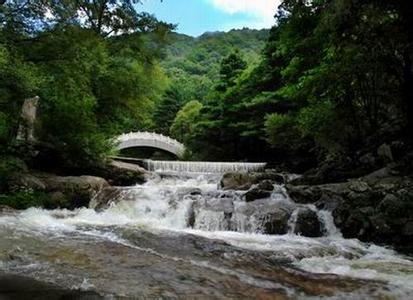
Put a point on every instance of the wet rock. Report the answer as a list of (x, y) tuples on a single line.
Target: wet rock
[(391, 205), (359, 186), (303, 194), (356, 225), (105, 197), (26, 181), (385, 153), (89, 184), (266, 185), (124, 174), (28, 117), (381, 173), (307, 223), (7, 210), (188, 191), (244, 181), (329, 201), (212, 214), (256, 193), (374, 208), (261, 191), (275, 222), (407, 230), (190, 216), (269, 176), (64, 192), (236, 181), (263, 215)]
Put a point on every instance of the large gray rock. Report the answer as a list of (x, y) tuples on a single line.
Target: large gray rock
[(261, 191), (244, 181), (307, 223), (125, 174), (28, 119), (266, 216), (105, 197), (376, 208), (236, 181), (65, 192)]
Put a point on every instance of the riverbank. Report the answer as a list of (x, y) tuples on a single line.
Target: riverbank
[(185, 236), (33, 188), (375, 208)]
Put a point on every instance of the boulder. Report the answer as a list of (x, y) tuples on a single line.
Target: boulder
[(391, 206), (303, 194), (359, 186), (270, 176), (329, 201), (236, 181), (212, 214), (256, 193), (264, 215), (244, 181), (124, 174), (7, 210), (65, 192), (26, 181), (261, 191), (105, 197), (385, 153), (307, 223), (275, 222)]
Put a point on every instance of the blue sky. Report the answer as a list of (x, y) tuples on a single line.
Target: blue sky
[(195, 17)]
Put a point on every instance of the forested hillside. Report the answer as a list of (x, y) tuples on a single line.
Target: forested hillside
[(333, 83), (193, 65), (91, 67)]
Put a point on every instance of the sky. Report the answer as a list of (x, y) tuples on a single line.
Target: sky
[(195, 17)]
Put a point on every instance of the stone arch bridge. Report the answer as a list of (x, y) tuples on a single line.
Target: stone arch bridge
[(150, 139)]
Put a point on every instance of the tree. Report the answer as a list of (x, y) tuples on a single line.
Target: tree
[(231, 67), (167, 109), (183, 127), (91, 64)]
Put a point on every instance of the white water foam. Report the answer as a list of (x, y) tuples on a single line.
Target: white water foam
[(203, 167), (158, 206)]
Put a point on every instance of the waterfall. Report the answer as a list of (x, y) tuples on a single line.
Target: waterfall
[(188, 225), (203, 167)]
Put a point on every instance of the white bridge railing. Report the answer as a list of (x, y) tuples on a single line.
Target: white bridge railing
[(150, 139)]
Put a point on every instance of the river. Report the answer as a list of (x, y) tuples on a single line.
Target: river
[(155, 243)]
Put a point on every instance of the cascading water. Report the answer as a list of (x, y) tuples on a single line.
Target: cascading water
[(184, 237), (202, 167)]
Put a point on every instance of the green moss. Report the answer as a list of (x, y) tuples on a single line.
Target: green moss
[(24, 199)]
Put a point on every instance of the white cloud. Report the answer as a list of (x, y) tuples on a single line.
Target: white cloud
[(262, 10)]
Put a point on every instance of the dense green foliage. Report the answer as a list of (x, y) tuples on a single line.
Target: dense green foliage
[(93, 65), (193, 67), (334, 78)]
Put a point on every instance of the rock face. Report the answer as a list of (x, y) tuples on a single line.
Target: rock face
[(260, 191), (236, 181), (307, 223), (65, 192), (244, 181), (263, 215), (123, 174), (28, 119), (373, 208)]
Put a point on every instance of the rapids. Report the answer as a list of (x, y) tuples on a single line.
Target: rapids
[(155, 243)]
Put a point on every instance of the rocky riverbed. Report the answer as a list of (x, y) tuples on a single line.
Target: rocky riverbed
[(233, 236)]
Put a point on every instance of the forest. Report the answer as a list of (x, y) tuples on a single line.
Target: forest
[(328, 84), (251, 162)]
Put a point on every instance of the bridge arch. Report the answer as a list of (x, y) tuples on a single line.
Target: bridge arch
[(150, 139)]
